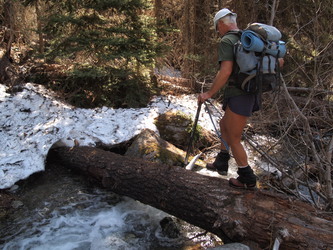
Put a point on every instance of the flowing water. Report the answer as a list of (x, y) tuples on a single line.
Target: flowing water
[(62, 210)]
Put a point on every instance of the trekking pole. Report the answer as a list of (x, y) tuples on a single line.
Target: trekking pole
[(192, 133), (216, 131)]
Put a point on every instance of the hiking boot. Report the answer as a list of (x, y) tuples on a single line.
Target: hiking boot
[(220, 164), (246, 179)]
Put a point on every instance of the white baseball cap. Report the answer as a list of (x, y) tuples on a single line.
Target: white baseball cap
[(222, 13)]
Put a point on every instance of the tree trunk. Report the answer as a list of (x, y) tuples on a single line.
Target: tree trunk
[(39, 26), (157, 9), (187, 37), (8, 38), (207, 202), (9, 22), (273, 11)]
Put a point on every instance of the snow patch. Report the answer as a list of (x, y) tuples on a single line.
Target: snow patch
[(32, 121)]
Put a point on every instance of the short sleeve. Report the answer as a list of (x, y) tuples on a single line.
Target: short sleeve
[(226, 48)]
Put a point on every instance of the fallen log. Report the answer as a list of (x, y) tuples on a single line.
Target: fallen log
[(207, 202)]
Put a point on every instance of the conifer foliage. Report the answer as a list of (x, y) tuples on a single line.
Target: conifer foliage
[(113, 44)]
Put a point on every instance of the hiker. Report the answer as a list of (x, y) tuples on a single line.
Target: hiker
[(237, 104)]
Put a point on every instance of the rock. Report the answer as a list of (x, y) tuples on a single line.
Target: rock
[(232, 246), (170, 228), (13, 189), (175, 127), (149, 146), (17, 204)]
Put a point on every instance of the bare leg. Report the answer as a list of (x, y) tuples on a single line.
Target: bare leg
[(232, 126)]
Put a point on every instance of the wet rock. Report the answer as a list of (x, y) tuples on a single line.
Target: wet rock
[(17, 204), (170, 228)]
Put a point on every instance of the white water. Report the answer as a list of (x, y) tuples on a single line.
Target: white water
[(128, 225), (61, 210)]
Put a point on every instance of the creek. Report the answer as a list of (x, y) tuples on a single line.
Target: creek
[(63, 210)]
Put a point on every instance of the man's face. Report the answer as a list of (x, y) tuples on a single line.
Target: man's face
[(221, 27)]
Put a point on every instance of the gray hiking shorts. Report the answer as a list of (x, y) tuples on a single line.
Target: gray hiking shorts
[(243, 105)]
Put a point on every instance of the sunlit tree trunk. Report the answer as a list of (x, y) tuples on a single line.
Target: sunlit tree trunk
[(198, 38), (274, 7), (39, 26), (9, 25), (7, 40), (187, 37)]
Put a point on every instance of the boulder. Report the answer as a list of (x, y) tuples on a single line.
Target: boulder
[(175, 127), (170, 228), (150, 146)]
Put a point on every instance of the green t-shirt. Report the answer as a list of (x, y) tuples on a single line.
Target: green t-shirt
[(226, 53)]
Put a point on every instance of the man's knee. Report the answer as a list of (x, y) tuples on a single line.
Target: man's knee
[(234, 142)]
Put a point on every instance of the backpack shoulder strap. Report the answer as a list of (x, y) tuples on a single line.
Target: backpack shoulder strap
[(239, 34), (236, 32)]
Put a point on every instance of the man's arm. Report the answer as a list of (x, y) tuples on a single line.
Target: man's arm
[(220, 80)]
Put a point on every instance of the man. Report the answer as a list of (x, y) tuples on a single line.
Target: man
[(238, 105)]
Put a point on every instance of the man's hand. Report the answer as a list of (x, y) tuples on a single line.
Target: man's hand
[(219, 81), (203, 97)]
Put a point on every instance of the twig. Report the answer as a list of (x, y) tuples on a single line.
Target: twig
[(308, 135)]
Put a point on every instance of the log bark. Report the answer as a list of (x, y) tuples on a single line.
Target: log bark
[(207, 202)]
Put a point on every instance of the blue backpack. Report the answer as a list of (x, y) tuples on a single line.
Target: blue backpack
[(256, 54)]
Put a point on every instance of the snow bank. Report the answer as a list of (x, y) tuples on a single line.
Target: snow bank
[(32, 121)]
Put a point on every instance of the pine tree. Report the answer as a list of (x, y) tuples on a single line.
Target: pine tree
[(113, 44)]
